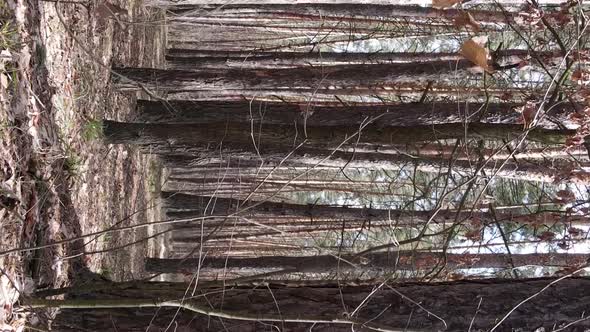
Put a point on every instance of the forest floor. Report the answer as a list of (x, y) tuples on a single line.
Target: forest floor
[(57, 178)]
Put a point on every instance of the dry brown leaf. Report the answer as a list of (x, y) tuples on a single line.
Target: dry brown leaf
[(528, 113), (455, 276), (575, 232), (574, 141), (506, 96), (476, 53), (546, 236), (442, 4), (474, 235), (566, 271), (566, 196), (464, 19), (581, 76)]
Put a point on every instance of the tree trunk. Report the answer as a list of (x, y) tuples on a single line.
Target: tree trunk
[(282, 219), (276, 141), (192, 59), (337, 114), (383, 262), (335, 11), (449, 306), (532, 166), (345, 78), (258, 39), (211, 206), (181, 59), (171, 3), (282, 138)]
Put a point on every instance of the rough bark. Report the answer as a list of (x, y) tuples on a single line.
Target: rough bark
[(283, 138), (409, 92), (233, 39), (344, 77), (188, 35), (333, 114), (327, 11), (274, 142), (450, 306), (384, 261), (277, 214), (245, 33), (245, 164), (191, 59), (169, 3), (225, 206)]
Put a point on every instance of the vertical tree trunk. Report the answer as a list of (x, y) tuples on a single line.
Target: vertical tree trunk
[(191, 59), (385, 262), (336, 114), (197, 59), (351, 77), (325, 10), (316, 136), (451, 306)]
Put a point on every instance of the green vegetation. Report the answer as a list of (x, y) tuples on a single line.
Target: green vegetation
[(92, 130), (72, 163)]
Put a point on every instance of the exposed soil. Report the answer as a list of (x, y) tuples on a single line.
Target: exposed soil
[(58, 180)]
